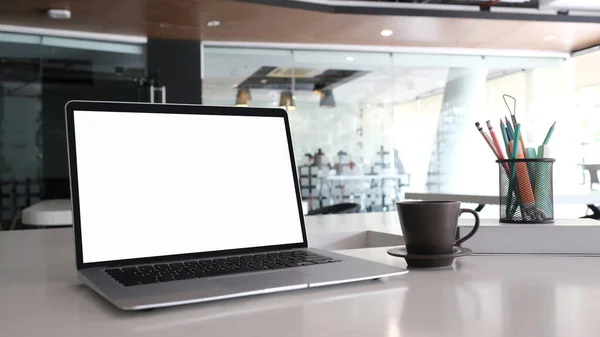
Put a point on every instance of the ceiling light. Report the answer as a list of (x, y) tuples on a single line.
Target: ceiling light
[(349, 58), (263, 81), (386, 32), (317, 89), (243, 97), (549, 38), (60, 14), (286, 101), (213, 23), (327, 100)]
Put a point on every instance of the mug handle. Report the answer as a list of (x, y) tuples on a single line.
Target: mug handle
[(475, 227)]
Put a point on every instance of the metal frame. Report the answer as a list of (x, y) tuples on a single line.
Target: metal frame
[(442, 11)]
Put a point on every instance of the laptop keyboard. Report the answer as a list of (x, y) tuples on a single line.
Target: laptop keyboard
[(167, 272)]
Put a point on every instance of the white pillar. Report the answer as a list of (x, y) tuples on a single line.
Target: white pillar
[(452, 167)]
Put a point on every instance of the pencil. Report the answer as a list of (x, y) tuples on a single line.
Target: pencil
[(495, 140), (488, 140), (550, 131), (497, 146)]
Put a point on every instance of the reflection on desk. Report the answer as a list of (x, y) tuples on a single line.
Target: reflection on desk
[(492, 296)]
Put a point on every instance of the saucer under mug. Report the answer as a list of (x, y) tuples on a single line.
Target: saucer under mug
[(429, 260)]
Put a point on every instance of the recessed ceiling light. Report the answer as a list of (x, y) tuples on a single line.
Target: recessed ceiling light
[(549, 38), (213, 23), (60, 14), (243, 97), (349, 58), (386, 32)]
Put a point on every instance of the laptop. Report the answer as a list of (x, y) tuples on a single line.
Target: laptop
[(177, 204)]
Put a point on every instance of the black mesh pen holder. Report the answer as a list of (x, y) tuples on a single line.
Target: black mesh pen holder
[(526, 192)]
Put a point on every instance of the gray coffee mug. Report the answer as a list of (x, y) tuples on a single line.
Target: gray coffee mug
[(429, 227)]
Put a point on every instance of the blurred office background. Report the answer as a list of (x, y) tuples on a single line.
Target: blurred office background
[(372, 116)]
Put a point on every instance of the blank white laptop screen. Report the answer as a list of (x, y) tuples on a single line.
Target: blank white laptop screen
[(155, 184)]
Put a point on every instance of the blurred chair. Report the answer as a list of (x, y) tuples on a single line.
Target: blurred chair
[(593, 171), (336, 209)]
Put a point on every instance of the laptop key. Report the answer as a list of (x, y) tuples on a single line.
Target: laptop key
[(149, 280), (305, 263), (130, 283), (184, 276), (166, 278), (114, 272), (275, 266), (319, 261)]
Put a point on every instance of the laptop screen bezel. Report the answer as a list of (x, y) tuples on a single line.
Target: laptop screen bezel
[(125, 107)]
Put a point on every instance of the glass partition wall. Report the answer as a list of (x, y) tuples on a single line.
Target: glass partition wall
[(368, 126), (38, 75)]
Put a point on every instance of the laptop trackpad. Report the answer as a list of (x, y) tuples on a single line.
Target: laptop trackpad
[(269, 280)]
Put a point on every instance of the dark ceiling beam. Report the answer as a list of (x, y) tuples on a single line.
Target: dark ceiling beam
[(526, 15)]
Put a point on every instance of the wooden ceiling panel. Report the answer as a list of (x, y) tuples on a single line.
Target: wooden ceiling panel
[(186, 19), (99, 16), (548, 35)]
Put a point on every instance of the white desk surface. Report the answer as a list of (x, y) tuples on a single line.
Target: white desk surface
[(492, 296), (491, 199)]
